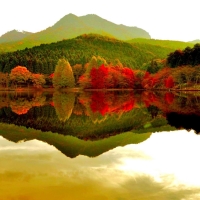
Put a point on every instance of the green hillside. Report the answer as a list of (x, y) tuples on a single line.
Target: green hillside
[(164, 43), (71, 26), (43, 58)]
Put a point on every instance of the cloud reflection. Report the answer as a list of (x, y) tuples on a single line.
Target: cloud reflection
[(163, 167), (172, 158)]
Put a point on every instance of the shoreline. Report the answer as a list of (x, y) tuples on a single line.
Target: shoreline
[(90, 90)]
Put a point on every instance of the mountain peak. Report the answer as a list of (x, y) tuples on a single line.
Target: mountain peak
[(71, 26), (66, 20), (14, 35)]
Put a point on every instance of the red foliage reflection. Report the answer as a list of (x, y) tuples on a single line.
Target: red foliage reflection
[(109, 103), (20, 110), (169, 97)]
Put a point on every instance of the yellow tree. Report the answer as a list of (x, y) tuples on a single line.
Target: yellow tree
[(63, 75)]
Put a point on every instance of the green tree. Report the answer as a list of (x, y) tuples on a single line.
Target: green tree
[(78, 71), (63, 75), (95, 62), (117, 63)]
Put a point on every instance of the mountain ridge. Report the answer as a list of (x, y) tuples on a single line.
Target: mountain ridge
[(71, 26), (14, 35)]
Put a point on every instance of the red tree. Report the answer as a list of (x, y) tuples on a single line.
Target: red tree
[(129, 76), (169, 82), (98, 77)]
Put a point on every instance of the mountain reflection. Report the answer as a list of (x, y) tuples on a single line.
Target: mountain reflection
[(68, 145), (141, 171)]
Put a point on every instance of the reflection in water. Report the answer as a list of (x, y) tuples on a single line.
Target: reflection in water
[(21, 103), (81, 115), (64, 104), (115, 155), (101, 105), (68, 145), (188, 122), (94, 115), (163, 167)]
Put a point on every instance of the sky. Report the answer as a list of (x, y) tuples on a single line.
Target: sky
[(163, 19)]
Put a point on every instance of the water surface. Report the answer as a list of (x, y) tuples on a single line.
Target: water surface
[(99, 145)]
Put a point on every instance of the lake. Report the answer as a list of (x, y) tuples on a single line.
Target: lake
[(115, 145)]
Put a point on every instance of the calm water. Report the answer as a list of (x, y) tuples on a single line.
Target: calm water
[(99, 145)]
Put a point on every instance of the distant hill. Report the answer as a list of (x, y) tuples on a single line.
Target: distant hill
[(71, 26), (164, 43), (195, 41), (13, 36)]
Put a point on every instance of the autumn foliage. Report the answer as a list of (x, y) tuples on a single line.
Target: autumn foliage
[(105, 77), (98, 74), (20, 75)]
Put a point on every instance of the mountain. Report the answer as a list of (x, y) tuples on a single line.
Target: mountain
[(13, 36), (121, 32), (71, 26), (195, 41)]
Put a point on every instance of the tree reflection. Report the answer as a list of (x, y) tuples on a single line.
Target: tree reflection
[(181, 121), (102, 111), (64, 104), (20, 104)]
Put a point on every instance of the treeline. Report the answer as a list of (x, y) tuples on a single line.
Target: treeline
[(21, 76), (173, 45), (188, 56), (43, 58), (98, 74)]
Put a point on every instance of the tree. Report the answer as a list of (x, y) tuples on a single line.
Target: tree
[(4, 79), (38, 80), (117, 63), (63, 75), (169, 82), (98, 77), (95, 62), (155, 65), (20, 75), (78, 71), (184, 75)]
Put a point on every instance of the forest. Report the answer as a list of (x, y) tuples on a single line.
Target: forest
[(92, 61), (43, 58)]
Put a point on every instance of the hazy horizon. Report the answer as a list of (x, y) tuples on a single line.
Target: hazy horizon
[(166, 20)]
